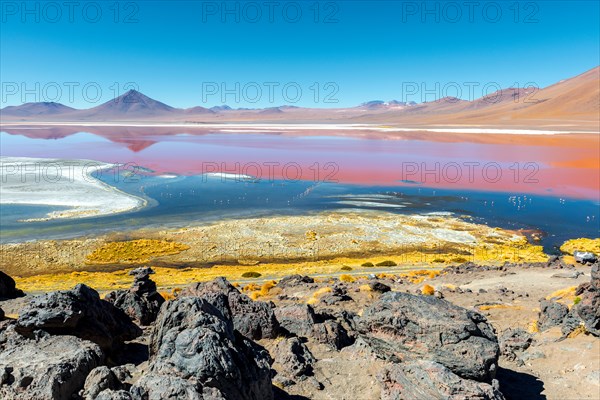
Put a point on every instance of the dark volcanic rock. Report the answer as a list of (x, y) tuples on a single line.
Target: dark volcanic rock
[(168, 387), (552, 314), (347, 319), (513, 342), (595, 274), (195, 353), (588, 308), (333, 334), (428, 380), (99, 380), (379, 287), (433, 329), (8, 288), (297, 319), (589, 312), (141, 302), (571, 322), (582, 288), (294, 280), (556, 262), (110, 394), (78, 312), (338, 294), (465, 268), (44, 368), (294, 357), (253, 319), (216, 292), (333, 328), (585, 313)]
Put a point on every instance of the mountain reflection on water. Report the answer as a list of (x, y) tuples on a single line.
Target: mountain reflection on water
[(545, 183)]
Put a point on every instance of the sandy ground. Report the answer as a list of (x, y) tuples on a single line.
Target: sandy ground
[(558, 369), (64, 183)]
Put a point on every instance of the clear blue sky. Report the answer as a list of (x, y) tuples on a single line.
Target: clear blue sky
[(367, 49)]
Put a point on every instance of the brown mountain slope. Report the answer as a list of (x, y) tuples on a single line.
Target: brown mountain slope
[(578, 96), (569, 104), (573, 102)]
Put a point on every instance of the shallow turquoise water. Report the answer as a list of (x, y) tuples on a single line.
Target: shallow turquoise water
[(191, 200)]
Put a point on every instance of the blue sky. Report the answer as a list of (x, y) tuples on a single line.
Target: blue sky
[(190, 53)]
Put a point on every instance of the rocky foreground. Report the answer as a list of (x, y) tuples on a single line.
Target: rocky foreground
[(378, 337)]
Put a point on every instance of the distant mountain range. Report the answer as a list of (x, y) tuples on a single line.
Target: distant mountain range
[(33, 109), (571, 102), (134, 104)]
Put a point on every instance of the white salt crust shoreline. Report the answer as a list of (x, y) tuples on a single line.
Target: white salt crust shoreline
[(62, 183)]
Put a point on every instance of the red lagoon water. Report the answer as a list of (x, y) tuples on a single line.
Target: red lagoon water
[(559, 165)]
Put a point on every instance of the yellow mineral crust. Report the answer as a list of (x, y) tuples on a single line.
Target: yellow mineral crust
[(278, 246), (133, 251), (581, 244)]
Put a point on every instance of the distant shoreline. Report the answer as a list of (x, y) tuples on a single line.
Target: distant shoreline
[(257, 127)]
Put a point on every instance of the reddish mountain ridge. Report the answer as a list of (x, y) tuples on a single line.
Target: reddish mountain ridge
[(573, 102)]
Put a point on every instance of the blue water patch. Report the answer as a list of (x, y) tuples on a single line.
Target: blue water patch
[(182, 201)]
